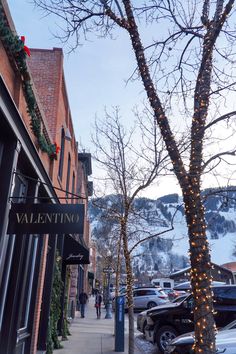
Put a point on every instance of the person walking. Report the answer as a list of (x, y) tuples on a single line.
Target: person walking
[(83, 298), (98, 302)]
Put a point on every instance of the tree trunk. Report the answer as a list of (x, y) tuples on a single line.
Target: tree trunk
[(118, 265), (189, 182), (200, 273), (118, 268), (129, 274)]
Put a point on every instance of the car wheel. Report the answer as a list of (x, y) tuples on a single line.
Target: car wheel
[(151, 304), (163, 336)]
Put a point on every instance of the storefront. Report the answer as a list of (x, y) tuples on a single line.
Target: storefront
[(26, 257), (23, 180), (39, 169), (75, 254)]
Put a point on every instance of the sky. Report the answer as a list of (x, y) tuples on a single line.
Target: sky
[(96, 77)]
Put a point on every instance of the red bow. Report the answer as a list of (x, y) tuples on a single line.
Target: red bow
[(26, 49), (57, 148)]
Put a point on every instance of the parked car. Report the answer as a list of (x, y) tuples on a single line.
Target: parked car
[(225, 341), (121, 291), (180, 298), (186, 286), (173, 294), (142, 316), (170, 320), (146, 298)]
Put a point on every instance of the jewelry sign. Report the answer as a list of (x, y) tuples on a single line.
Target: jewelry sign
[(74, 252), (46, 219)]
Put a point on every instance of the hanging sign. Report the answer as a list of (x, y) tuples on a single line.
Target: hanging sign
[(46, 219), (74, 252)]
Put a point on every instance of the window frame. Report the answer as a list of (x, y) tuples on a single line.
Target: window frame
[(62, 152)]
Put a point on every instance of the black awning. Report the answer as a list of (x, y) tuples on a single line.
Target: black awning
[(74, 252)]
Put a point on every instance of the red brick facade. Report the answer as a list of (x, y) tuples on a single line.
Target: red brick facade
[(46, 67), (46, 70)]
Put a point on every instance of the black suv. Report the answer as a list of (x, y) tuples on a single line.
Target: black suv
[(170, 320)]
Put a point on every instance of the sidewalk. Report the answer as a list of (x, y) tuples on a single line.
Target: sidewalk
[(90, 335)]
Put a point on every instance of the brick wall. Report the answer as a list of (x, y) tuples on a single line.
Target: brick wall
[(47, 71), (6, 70), (54, 101), (46, 68)]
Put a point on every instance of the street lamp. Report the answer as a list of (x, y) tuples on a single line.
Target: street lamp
[(108, 270)]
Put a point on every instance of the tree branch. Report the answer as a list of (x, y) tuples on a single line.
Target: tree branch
[(219, 119), (158, 233), (122, 22), (219, 155)]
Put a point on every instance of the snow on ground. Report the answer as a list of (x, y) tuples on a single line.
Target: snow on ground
[(222, 249), (145, 346)]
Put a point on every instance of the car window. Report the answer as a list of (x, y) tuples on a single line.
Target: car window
[(190, 302), (141, 292), (179, 298), (231, 325), (161, 292), (225, 295), (150, 292)]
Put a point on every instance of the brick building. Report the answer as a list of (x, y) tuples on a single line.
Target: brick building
[(39, 163)]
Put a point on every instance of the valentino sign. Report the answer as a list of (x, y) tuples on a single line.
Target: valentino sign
[(46, 218)]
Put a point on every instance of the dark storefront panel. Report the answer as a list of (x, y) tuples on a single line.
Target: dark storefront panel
[(20, 284), (9, 156), (20, 255), (19, 306)]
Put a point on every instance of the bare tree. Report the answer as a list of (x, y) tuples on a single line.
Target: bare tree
[(189, 61), (108, 234), (128, 171)]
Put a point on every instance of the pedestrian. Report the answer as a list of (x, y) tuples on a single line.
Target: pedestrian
[(83, 298), (98, 302)]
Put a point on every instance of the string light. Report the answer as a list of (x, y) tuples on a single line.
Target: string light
[(189, 181)]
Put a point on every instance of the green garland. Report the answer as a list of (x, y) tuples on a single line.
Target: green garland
[(15, 47), (55, 308)]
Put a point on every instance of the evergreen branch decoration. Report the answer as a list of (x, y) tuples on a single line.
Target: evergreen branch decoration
[(53, 341), (15, 46)]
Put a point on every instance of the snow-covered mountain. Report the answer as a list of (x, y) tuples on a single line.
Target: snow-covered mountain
[(169, 251)]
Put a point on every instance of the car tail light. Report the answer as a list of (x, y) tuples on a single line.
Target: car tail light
[(162, 297)]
